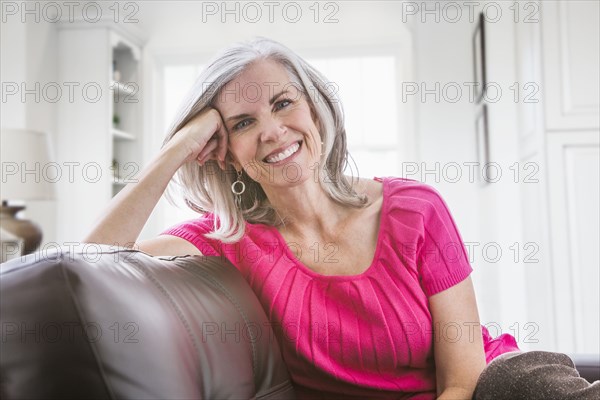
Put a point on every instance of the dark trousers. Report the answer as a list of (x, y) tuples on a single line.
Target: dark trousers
[(534, 375)]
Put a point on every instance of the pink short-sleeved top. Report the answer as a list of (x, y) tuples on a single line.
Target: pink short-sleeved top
[(368, 335)]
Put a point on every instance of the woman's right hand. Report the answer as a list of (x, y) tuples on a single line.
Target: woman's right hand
[(203, 138)]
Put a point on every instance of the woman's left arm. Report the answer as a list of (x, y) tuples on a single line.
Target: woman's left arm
[(458, 343)]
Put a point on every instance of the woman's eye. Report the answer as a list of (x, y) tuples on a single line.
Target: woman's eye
[(241, 125), (282, 104), (245, 123)]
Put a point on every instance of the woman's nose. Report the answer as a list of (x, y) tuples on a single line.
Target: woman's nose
[(272, 130)]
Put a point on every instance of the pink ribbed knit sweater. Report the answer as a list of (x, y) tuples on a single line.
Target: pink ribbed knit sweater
[(367, 335)]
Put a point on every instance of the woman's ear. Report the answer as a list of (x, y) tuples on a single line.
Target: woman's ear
[(230, 160)]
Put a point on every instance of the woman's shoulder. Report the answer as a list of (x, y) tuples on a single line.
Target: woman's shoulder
[(394, 192), (398, 187), (412, 196), (204, 223)]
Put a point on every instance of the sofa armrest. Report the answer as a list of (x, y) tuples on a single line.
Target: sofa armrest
[(120, 323)]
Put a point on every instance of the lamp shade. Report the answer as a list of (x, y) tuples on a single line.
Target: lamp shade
[(27, 171)]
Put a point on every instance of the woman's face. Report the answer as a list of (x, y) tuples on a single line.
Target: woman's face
[(271, 132)]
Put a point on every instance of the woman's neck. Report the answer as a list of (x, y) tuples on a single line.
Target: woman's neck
[(306, 208)]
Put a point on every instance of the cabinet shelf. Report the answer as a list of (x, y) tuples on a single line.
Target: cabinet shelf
[(122, 135)]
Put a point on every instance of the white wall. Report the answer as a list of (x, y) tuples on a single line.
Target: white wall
[(30, 55), (500, 210), (13, 62), (178, 26)]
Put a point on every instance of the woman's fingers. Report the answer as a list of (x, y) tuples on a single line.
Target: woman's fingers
[(208, 148), (222, 138), (215, 148)]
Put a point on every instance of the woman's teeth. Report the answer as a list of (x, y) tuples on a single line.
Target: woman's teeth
[(284, 154)]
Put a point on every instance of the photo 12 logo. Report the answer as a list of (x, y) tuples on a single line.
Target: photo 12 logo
[(454, 92), (68, 332), (270, 11), (467, 11), (69, 11), (67, 92)]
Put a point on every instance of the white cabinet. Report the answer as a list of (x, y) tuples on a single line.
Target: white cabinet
[(573, 190), (560, 134), (90, 142), (571, 47)]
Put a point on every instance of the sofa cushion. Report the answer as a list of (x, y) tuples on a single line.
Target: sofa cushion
[(105, 322)]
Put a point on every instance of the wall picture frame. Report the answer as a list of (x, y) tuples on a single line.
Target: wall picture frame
[(479, 61), (482, 144)]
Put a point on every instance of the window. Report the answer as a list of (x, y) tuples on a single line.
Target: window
[(178, 80), (367, 89)]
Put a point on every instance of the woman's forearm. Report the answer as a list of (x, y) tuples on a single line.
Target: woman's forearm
[(127, 213)]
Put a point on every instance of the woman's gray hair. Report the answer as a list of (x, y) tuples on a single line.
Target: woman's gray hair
[(208, 188)]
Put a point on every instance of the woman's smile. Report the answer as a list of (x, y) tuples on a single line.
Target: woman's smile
[(284, 156)]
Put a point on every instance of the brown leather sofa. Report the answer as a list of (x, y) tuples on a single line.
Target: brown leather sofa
[(109, 324), (112, 323)]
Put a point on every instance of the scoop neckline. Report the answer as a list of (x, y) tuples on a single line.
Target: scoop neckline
[(300, 265)]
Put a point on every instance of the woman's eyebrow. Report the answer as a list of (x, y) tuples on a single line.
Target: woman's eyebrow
[(271, 101), (239, 116)]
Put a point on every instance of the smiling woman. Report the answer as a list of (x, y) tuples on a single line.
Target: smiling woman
[(367, 280)]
